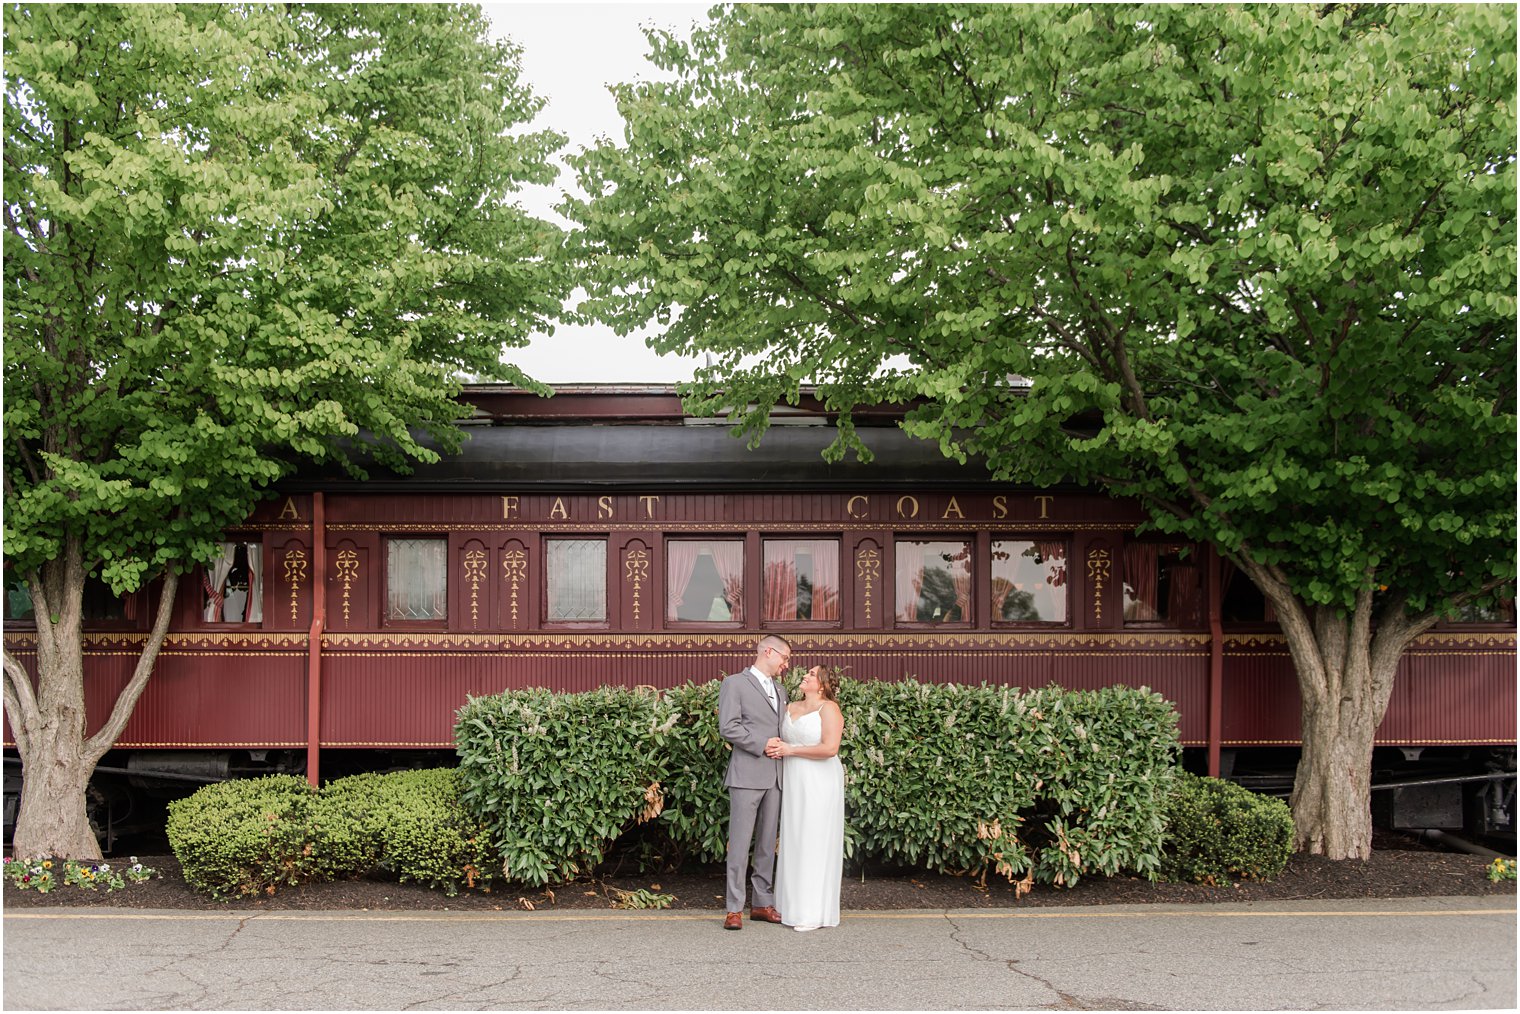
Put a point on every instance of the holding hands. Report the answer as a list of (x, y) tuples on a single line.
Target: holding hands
[(813, 698)]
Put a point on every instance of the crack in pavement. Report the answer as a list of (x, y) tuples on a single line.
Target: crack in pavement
[(1068, 1001)]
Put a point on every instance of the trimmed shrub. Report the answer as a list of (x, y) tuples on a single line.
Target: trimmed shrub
[(246, 837), (1050, 785), (412, 825), (1104, 762), (1053, 784), (937, 776), (1217, 830), (695, 817), (556, 778)]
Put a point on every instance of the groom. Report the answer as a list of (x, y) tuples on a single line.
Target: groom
[(750, 706)]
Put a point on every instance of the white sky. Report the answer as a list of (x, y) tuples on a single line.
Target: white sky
[(571, 53)]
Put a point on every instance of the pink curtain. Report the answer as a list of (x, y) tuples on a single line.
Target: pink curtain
[(1001, 586), (961, 574), (781, 590), (1183, 595), (728, 557), (1141, 568), (826, 581), (683, 560), (1054, 555), (910, 579)]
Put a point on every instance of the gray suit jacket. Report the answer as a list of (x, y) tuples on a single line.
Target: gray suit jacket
[(746, 720)]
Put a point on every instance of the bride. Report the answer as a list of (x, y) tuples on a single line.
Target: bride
[(811, 856)]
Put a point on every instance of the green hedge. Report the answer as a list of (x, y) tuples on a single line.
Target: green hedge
[(556, 778), (251, 836), (694, 820), (412, 826), (1051, 785), (246, 837), (1217, 830)]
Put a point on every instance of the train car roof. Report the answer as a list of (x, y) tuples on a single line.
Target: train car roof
[(638, 437)]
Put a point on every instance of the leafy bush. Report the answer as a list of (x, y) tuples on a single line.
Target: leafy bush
[(556, 778), (247, 836), (1217, 830), (937, 776), (1104, 762), (422, 831), (411, 825), (1051, 784), (695, 816)]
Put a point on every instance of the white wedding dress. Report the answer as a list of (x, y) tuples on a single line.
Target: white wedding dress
[(810, 861)]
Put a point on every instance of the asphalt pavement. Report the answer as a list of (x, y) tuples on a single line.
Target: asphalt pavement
[(1428, 954)]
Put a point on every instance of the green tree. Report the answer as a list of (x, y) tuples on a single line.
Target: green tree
[(1252, 265), (237, 236)]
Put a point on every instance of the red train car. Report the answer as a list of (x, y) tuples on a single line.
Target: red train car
[(604, 537)]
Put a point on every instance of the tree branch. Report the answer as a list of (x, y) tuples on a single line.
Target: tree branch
[(20, 702), (97, 745)]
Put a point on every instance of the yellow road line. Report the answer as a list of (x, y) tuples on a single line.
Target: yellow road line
[(518, 916)]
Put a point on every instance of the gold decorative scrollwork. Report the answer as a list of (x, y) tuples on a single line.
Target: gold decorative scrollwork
[(637, 569), (514, 564), (868, 569), (1098, 562), (475, 566), (347, 567), (295, 573)]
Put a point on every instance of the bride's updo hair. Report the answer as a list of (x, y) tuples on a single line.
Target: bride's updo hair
[(828, 684)]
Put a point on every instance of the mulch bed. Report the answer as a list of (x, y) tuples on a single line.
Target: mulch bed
[(1400, 867)]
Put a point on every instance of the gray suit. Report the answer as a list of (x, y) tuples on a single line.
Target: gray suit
[(747, 720)]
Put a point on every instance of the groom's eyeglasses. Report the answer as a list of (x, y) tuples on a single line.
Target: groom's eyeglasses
[(784, 658)]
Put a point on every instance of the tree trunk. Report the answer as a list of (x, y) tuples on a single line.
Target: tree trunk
[(49, 720), (52, 820), (1332, 797), (1345, 663), (50, 725)]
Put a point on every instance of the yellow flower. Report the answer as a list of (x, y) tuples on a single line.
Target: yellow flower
[(47, 864)]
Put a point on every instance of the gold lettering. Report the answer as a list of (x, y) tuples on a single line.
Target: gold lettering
[(1045, 504), (649, 502), (289, 510), (999, 507), (849, 506), (907, 499), (508, 507), (558, 510), (953, 506), (604, 507)]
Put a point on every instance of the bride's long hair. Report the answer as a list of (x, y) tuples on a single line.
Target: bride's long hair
[(828, 684)]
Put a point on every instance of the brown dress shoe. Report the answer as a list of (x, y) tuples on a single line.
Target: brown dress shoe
[(733, 921), (764, 914)]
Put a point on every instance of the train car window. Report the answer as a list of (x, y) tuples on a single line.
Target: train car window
[(18, 601), (705, 580), (232, 587), (1163, 583), (576, 579), (801, 579), (933, 582), (1240, 600), (416, 580), (1501, 611), (1029, 581), (101, 604)]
